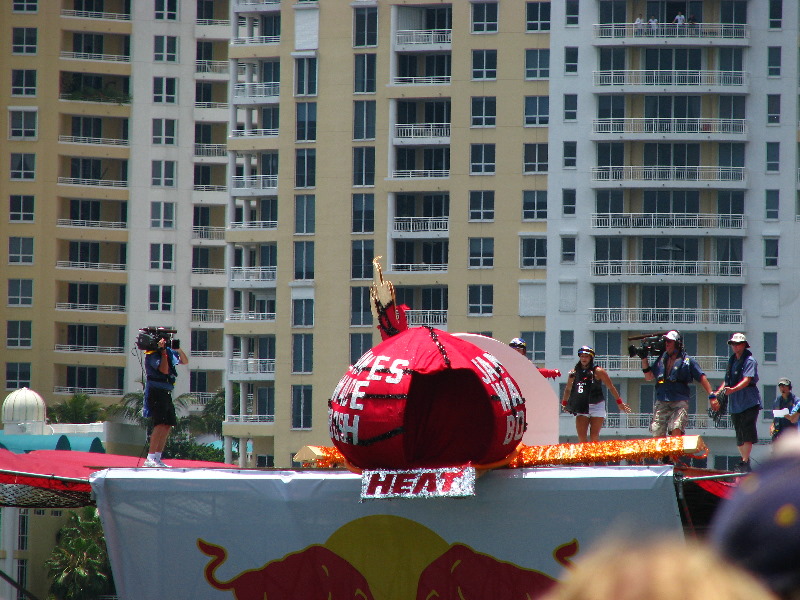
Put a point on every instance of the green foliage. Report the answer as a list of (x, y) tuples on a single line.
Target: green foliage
[(79, 566), (181, 445), (80, 408)]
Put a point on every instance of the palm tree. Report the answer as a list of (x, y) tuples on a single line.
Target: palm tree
[(79, 566), (79, 408), (131, 406)]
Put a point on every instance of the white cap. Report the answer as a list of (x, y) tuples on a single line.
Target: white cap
[(673, 335), (738, 338)]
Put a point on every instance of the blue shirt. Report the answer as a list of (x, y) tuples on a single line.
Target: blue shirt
[(157, 379), (746, 366), (793, 404), (674, 386)]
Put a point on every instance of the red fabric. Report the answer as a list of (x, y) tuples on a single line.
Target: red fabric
[(392, 320), (723, 489)]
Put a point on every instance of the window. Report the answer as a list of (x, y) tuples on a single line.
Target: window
[(301, 407), (365, 26), (160, 298), (568, 249), (363, 165), (535, 158), (534, 205), (304, 260), (537, 110), (773, 157), (162, 215), (306, 76), (23, 40), (533, 252), (165, 48), (770, 252), (23, 166), (302, 352), (22, 124), (535, 341), (360, 311), (570, 155), (25, 5), (770, 346), (162, 173), (568, 202), (538, 16), (306, 124), (772, 201), (18, 334), (570, 59), (775, 14), (363, 251), (359, 344), (484, 64), (481, 253), (774, 61), (365, 74), (481, 205), (773, 109), (363, 213), (304, 211), (20, 292), (166, 10), (364, 120), (305, 168), (480, 300), (165, 90), (537, 63), (302, 312), (23, 82), (164, 132), (482, 159), (161, 256), (484, 110), (570, 107), (20, 250), (18, 375), (567, 346), (571, 10), (484, 17), (20, 209)]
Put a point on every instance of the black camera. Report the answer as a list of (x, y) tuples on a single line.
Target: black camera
[(652, 345), (148, 338)]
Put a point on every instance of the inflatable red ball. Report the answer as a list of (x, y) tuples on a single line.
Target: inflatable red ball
[(425, 399)]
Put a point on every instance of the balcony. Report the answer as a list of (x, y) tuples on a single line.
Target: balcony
[(256, 92), (252, 225), (671, 78), (93, 224), (642, 421), (424, 37), (245, 5), (420, 173), (660, 317), (254, 184), (207, 354), (711, 32), (691, 175), (211, 150), (681, 268), (666, 221), (207, 315), (94, 266), (95, 57), (422, 80), (218, 67), (249, 418), (427, 133), (92, 349), (421, 224), (208, 233), (254, 133), (208, 271), (419, 267), (257, 40), (76, 139), (92, 182), (86, 14), (251, 316), (431, 318), (634, 364), (674, 127), (253, 276), (64, 389), (252, 366), (117, 308)]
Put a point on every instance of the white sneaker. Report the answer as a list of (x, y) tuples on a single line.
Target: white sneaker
[(151, 462), (161, 464)]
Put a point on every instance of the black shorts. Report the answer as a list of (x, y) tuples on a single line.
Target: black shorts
[(162, 410), (744, 424)]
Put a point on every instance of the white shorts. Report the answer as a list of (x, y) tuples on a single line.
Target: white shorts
[(597, 410)]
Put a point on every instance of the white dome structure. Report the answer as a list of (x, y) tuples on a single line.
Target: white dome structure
[(24, 406)]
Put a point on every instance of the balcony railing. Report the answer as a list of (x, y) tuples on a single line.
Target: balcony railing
[(92, 182), (418, 267), (627, 363), (643, 420), (699, 126), (206, 187), (207, 353), (64, 389), (93, 349), (256, 90), (208, 270), (238, 225), (215, 150), (415, 224), (252, 365), (69, 264), (730, 31), (255, 182), (258, 2), (214, 22), (667, 221), (211, 105), (91, 307), (100, 57), (212, 66), (256, 40), (249, 418), (241, 133), (251, 316), (254, 273), (432, 318), (97, 224), (86, 14), (208, 315), (77, 139), (420, 173), (669, 316), (422, 130), (657, 173), (424, 36), (670, 77), (699, 268), (425, 80), (200, 398), (208, 233)]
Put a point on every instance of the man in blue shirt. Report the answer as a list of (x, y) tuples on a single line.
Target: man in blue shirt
[(786, 401), (744, 399)]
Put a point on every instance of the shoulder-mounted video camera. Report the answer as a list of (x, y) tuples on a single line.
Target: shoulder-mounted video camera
[(148, 338), (652, 344)]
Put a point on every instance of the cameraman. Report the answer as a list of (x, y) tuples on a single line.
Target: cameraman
[(673, 371), (161, 374)]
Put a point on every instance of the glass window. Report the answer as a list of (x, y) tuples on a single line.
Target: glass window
[(570, 107), (537, 63), (774, 61), (165, 48), (302, 352), (304, 213), (363, 165), (484, 17), (25, 5), (160, 298), (537, 110), (18, 334), (480, 300), (771, 252), (534, 205), (363, 251), (773, 156), (164, 131), (538, 15), (162, 256), (302, 312), (360, 311), (535, 158), (301, 407), (773, 109), (570, 155), (359, 344), (535, 341), (484, 64), (365, 75), (20, 250), (481, 205), (23, 82), (166, 10), (20, 292), (775, 14), (571, 59), (23, 166), (364, 120), (484, 111), (568, 249), (165, 90), (481, 253), (306, 76), (23, 40), (770, 346), (18, 375), (20, 209), (772, 201), (568, 202), (305, 171), (162, 215), (533, 252), (482, 160), (304, 260), (365, 26), (306, 125), (567, 347), (163, 173), (363, 213), (22, 124), (571, 10)]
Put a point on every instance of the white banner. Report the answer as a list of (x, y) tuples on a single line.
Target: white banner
[(226, 534)]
